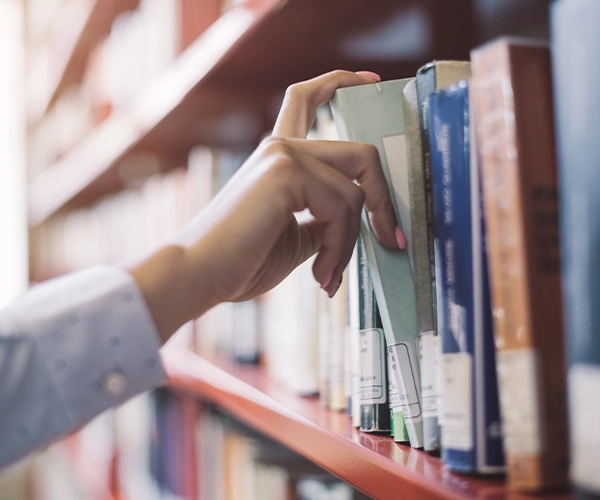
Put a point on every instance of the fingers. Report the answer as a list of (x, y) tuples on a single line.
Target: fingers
[(302, 100), (359, 162), (335, 203)]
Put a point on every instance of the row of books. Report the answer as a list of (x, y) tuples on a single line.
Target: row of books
[(472, 311), (167, 444), (467, 149), (224, 460), (142, 44)]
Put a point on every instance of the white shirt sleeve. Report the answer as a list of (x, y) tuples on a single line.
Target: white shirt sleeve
[(71, 348)]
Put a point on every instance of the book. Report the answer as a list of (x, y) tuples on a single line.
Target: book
[(575, 66), (374, 409), (471, 437), (512, 85), (350, 332), (337, 388), (398, 429), (373, 114), (354, 273), (430, 78), (418, 248)]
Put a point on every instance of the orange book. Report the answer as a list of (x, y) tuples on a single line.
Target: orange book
[(512, 90)]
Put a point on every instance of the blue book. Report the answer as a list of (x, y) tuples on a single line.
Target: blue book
[(576, 66), (471, 436)]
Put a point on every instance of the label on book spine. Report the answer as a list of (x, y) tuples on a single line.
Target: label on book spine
[(394, 395), (429, 394), (404, 369), (584, 406), (519, 382), (372, 366), (457, 432)]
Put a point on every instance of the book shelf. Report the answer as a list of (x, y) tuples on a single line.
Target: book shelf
[(224, 91), (78, 25), (373, 464)]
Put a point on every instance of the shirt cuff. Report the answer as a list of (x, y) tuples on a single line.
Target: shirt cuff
[(97, 337)]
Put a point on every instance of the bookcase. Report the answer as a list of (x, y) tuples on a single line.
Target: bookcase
[(224, 90)]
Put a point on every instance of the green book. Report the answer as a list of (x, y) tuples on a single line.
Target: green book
[(397, 425), (373, 114)]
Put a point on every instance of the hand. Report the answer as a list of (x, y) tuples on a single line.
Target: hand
[(248, 240)]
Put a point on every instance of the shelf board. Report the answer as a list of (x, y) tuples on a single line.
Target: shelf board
[(225, 89), (374, 464), (79, 26)]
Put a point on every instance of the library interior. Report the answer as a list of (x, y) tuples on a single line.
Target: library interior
[(203, 295)]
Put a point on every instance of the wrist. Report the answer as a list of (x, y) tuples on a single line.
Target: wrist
[(171, 288)]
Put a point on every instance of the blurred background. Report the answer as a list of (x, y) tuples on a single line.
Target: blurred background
[(119, 120)]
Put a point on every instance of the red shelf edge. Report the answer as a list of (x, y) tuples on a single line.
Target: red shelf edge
[(367, 470)]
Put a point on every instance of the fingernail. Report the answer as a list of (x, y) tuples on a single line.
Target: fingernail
[(400, 238), (327, 281), (337, 287), (369, 74)]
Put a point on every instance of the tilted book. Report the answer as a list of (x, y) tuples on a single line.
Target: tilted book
[(576, 66), (373, 114), (512, 86), (430, 78), (471, 438)]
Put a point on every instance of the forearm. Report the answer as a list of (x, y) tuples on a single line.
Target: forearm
[(172, 283), (70, 349)]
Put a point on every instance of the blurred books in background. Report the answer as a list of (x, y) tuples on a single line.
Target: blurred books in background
[(409, 345)]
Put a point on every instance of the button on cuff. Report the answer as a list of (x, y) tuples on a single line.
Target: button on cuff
[(114, 383)]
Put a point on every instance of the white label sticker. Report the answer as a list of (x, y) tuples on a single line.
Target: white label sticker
[(519, 404), (404, 369), (394, 396), (457, 430), (584, 411), (372, 366), (428, 377)]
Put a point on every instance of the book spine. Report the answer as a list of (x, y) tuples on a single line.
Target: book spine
[(456, 361), (431, 78), (422, 267), (513, 100), (246, 335), (398, 424), (337, 306), (430, 349), (575, 39), (490, 450), (425, 82), (373, 371), (467, 445)]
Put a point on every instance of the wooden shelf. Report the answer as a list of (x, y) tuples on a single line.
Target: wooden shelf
[(374, 464), (225, 89), (79, 26)]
